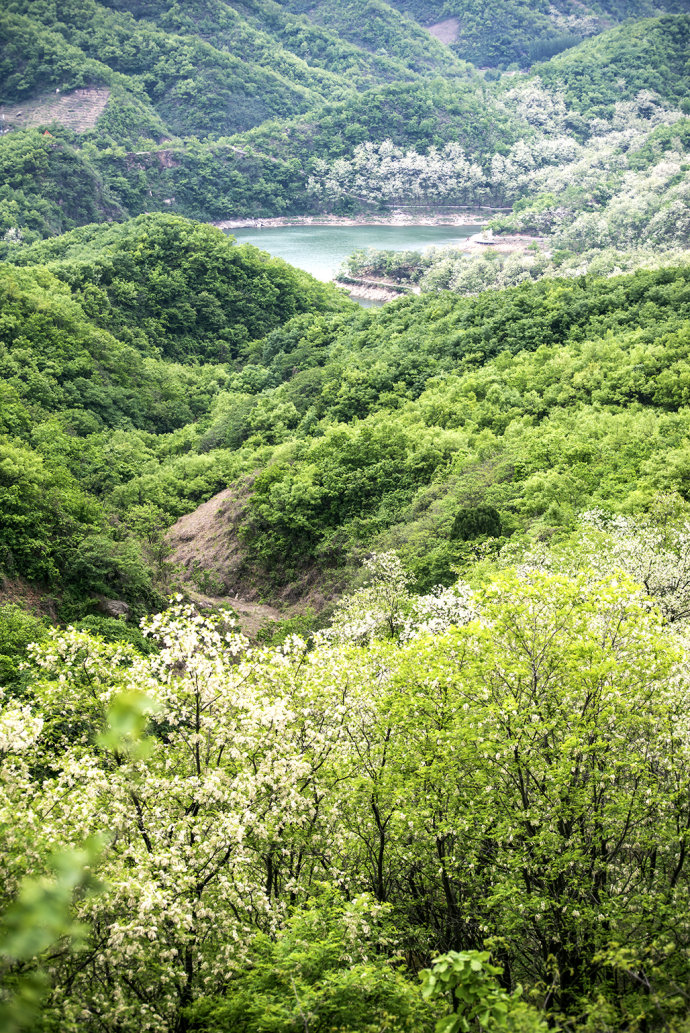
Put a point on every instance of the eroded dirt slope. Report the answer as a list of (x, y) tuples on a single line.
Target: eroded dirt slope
[(212, 566)]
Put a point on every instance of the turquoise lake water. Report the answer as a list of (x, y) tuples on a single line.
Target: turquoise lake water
[(319, 250)]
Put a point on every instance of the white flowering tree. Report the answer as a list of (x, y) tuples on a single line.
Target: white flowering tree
[(204, 826), (503, 769)]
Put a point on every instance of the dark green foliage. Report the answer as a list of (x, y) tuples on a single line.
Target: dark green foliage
[(17, 630), (420, 116), (194, 87), (117, 631), (376, 26), (46, 187), (476, 522), (328, 43), (34, 58), (543, 49), (514, 32), (425, 11), (180, 290)]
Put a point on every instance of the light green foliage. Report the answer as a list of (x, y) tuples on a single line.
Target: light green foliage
[(17, 630), (515, 783), (39, 916), (37, 919), (487, 783), (324, 970), (532, 447), (468, 978)]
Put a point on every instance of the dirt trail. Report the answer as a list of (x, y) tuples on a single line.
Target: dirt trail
[(252, 616)]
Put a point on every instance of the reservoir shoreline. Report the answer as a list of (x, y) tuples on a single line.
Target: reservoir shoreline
[(396, 218), (320, 245)]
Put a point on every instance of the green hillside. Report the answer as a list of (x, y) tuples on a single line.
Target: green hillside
[(650, 54), (382, 47), (420, 116), (194, 87), (108, 338), (201, 363), (510, 31), (378, 27)]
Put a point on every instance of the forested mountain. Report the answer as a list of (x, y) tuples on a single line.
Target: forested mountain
[(219, 111), (164, 361), (440, 783), (490, 35)]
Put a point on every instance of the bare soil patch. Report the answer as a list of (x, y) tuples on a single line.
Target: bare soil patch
[(213, 568), (206, 548), (32, 598), (446, 31), (252, 617)]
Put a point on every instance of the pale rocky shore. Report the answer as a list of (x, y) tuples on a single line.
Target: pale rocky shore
[(399, 217), (368, 292)]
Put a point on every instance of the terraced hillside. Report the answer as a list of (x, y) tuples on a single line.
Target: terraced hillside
[(78, 110)]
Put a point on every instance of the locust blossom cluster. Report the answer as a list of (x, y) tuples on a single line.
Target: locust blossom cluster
[(203, 825), (378, 608), (19, 727), (438, 611), (652, 549)]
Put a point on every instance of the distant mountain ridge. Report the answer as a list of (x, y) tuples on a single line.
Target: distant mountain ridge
[(218, 110)]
